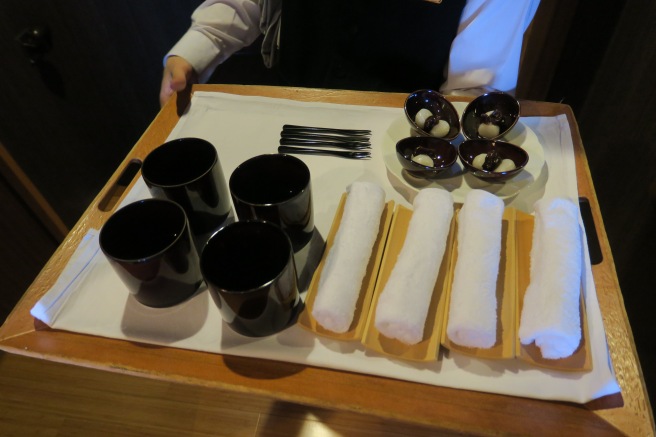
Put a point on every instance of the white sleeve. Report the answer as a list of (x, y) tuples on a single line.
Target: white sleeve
[(218, 29), (487, 49)]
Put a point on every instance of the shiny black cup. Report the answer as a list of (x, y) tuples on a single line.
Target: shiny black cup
[(250, 272), (188, 172), (149, 245), (275, 188)]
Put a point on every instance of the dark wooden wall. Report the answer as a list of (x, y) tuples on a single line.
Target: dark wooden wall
[(69, 120), (26, 245), (618, 125), (607, 73)]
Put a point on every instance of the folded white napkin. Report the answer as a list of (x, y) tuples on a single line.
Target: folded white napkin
[(346, 263), (403, 303), (550, 315), (47, 308), (473, 307)]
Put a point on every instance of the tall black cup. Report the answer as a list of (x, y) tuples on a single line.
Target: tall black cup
[(250, 272), (149, 245), (275, 188), (188, 172)]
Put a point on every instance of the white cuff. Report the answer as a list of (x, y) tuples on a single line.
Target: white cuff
[(199, 51)]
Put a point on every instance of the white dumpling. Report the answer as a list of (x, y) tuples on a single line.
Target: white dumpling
[(424, 160), (505, 165), (421, 117), (441, 129), (479, 160), (488, 130)]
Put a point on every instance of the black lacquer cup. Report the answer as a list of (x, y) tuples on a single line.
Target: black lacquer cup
[(149, 245), (275, 188), (250, 272), (188, 172)]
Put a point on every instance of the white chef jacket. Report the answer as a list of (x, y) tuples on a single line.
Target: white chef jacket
[(484, 54)]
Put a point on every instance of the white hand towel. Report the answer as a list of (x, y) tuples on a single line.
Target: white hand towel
[(346, 263), (473, 307), (550, 315), (403, 304)]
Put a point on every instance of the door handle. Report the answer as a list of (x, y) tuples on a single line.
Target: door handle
[(35, 41)]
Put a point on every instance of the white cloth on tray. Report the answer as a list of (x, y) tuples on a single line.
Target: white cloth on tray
[(96, 303), (473, 306), (346, 263), (54, 300), (550, 315), (403, 304)]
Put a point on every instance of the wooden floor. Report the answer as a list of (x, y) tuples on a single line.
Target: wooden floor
[(84, 402)]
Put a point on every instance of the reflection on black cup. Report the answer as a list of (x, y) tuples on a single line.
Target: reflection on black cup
[(250, 272), (188, 172), (275, 188), (149, 245)]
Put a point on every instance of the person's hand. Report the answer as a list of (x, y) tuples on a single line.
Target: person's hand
[(178, 74)]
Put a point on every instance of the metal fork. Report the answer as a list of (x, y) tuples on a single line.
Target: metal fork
[(322, 143), (311, 151), (325, 137), (314, 129)]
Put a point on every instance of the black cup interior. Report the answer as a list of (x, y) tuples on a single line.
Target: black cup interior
[(245, 256), (178, 162), (269, 179), (142, 229)]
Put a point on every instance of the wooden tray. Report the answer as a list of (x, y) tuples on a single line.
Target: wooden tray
[(449, 410), (306, 320)]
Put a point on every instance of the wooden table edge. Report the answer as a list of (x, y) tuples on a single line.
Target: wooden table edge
[(21, 334)]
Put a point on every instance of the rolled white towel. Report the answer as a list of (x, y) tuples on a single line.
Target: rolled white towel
[(550, 315), (403, 304), (346, 263), (473, 307)]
